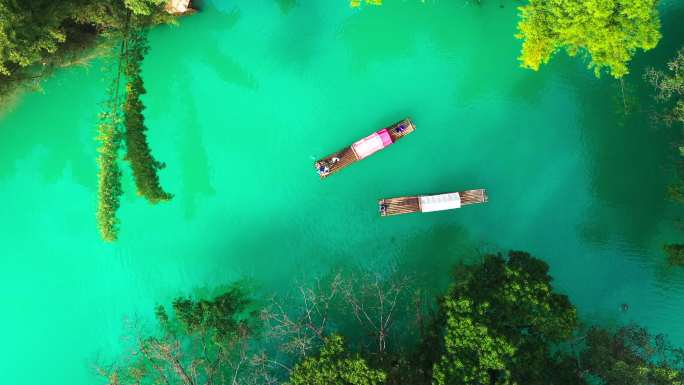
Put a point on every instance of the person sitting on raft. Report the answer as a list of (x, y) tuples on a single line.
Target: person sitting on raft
[(322, 169)]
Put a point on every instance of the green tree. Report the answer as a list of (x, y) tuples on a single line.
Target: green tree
[(608, 32), (631, 356), (29, 31), (39, 35), (474, 353), (500, 323), (198, 342), (669, 88), (502, 320), (132, 128), (334, 366), (145, 7), (357, 3), (138, 152), (33, 32), (109, 176)]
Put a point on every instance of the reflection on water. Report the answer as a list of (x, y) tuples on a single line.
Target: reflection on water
[(41, 133), (193, 157), (380, 33), (286, 5), (630, 158), (297, 38), (227, 69)]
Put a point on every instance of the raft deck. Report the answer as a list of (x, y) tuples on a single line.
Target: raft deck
[(429, 203), (363, 148)]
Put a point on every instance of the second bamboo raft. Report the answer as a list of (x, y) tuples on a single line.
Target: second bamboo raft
[(429, 203)]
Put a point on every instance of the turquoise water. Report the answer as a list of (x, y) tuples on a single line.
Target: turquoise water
[(246, 94)]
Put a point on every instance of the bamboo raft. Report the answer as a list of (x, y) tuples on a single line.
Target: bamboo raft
[(430, 203), (363, 148)]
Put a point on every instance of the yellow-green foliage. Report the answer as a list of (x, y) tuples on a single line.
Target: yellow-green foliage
[(145, 7), (35, 32), (109, 177), (22, 43), (608, 31), (669, 86), (502, 318), (357, 3), (335, 366), (463, 336)]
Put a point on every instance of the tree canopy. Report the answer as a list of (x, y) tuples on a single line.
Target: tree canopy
[(109, 176), (138, 152), (607, 32), (669, 93), (502, 319), (126, 120), (198, 342), (357, 3), (334, 366), (669, 87), (145, 7), (500, 323), (631, 356), (33, 32)]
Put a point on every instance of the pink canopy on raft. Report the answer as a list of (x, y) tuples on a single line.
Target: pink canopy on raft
[(372, 144)]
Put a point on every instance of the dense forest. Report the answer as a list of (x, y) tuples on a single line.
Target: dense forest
[(499, 322), (38, 36)]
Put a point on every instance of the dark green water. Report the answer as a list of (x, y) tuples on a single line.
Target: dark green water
[(246, 94)]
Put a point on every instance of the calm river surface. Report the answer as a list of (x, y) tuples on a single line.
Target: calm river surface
[(246, 94)]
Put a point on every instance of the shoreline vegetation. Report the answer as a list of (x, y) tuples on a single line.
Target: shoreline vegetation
[(605, 33), (669, 95), (40, 36), (124, 123), (499, 322)]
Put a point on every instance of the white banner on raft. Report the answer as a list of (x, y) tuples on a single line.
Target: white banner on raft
[(367, 146), (440, 202)]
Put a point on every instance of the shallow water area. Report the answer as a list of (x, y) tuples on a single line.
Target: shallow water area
[(245, 95)]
